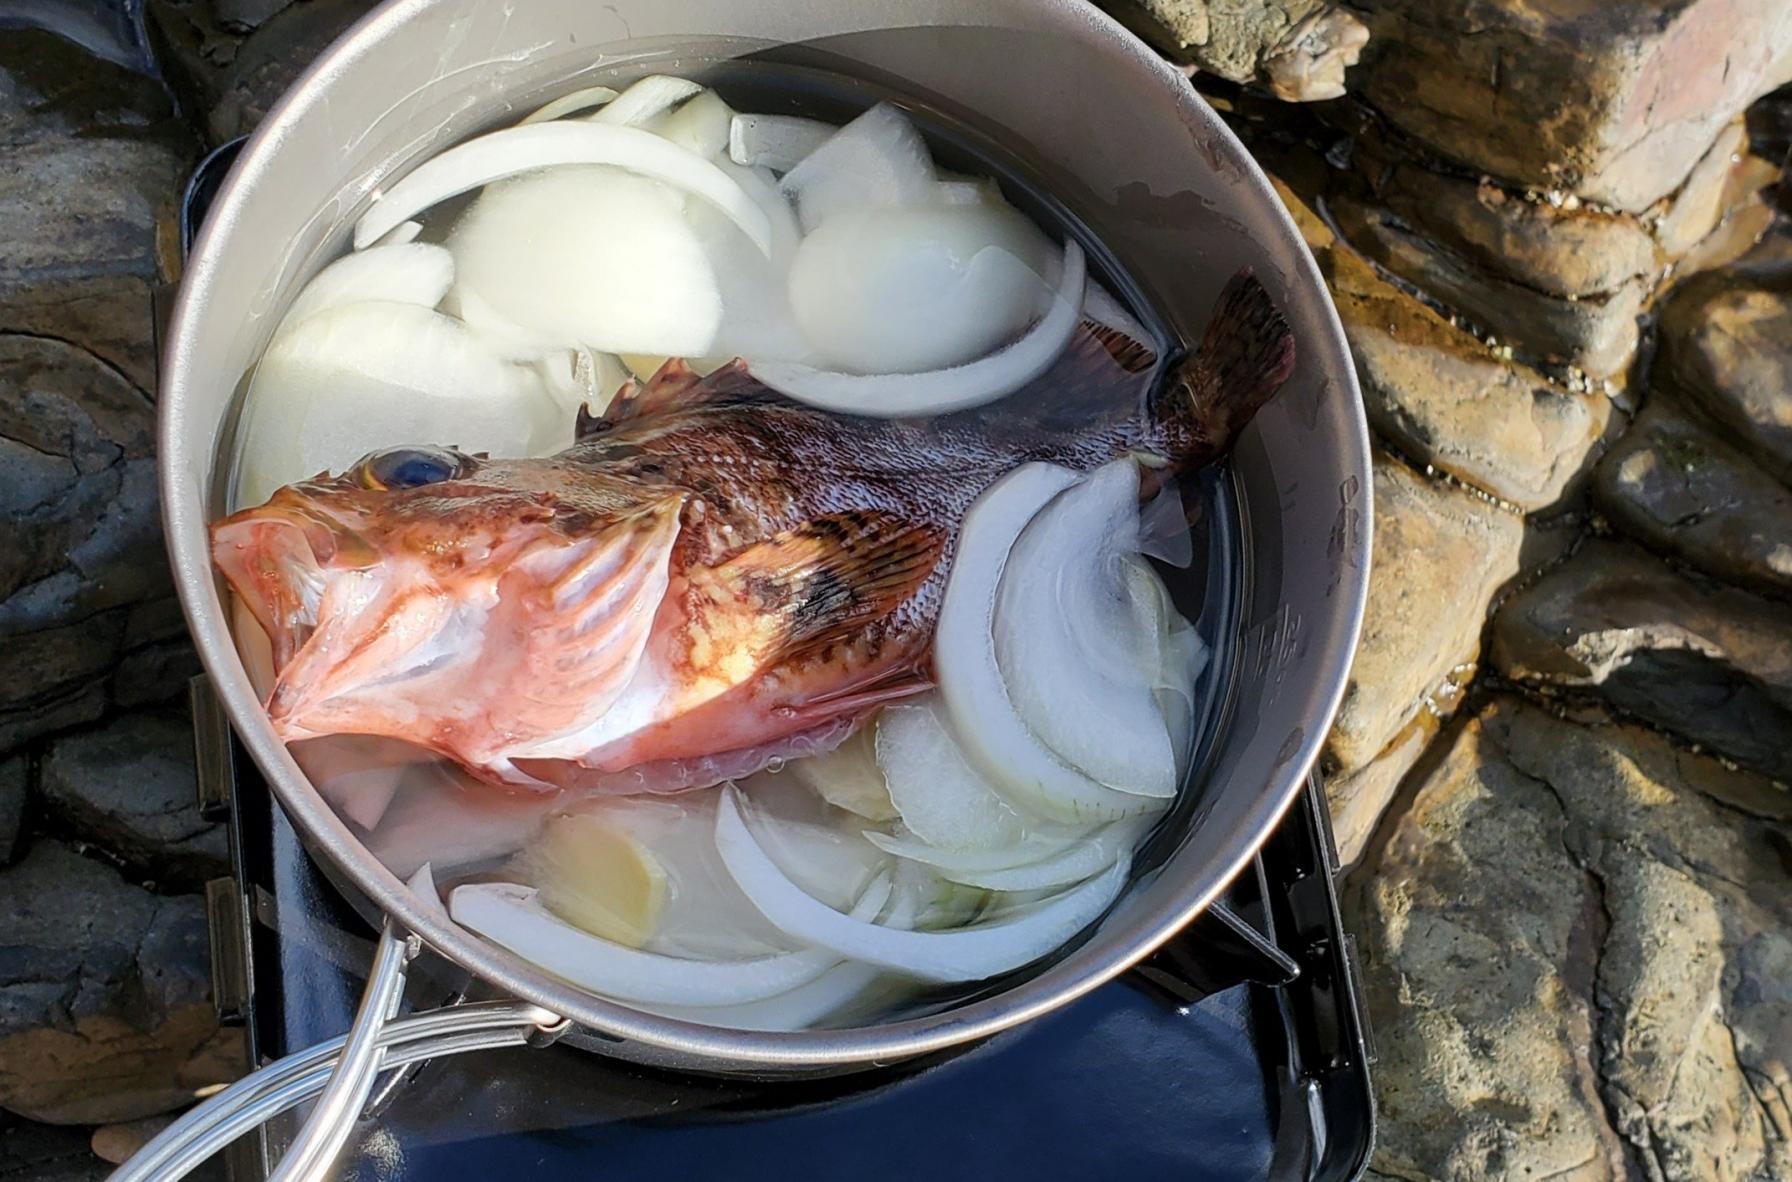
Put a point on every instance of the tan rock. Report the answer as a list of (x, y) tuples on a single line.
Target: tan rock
[(1575, 960), (1444, 398), (1675, 484), (95, 158), (1357, 800), (105, 1013), (1614, 102), (1726, 341), (1481, 1009), (1727, 176), (1440, 555), (1708, 662), (1596, 333), (1299, 48), (1559, 251)]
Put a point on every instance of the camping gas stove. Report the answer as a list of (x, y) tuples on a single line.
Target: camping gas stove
[(1239, 1051)]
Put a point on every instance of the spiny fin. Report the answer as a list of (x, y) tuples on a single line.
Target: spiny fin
[(827, 578), (1246, 354), (1134, 356), (676, 385)]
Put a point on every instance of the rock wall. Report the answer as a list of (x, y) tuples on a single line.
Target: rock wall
[(1555, 240)]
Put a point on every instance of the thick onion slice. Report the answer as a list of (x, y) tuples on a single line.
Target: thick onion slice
[(1089, 854), (569, 104), (799, 1009), (510, 916), (397, 273), (968, 954), (777, 142), (1079, 646), (993, 737), (941, 798), (878, 159), (505, 153), (896, 395), (646, 99)]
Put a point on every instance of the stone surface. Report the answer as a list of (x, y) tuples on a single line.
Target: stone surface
[(43, 1153), (1440, 555), (1576, 963), (15, 785), (1597, 333), (128, 786), (95, 158), (228, 81), (1727, 176), (105, 1013), (116, 1143), (1557, 250), (1727, 342), (1615, 102), (1708, 662), (1445, 399), (1299, 48), (1359, 798), (1673, 483), (77, 484)]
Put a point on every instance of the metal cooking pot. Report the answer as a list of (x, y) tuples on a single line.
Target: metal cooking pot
[(1118, 136)]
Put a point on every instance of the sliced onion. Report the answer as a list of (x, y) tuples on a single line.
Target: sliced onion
[(569, 104), (969, 954), (505, 153), (940, 391), (941, 798), (700, 126), (966, 192), (1039, 844), (1100, 306), (401, 273), (1079, 653), (755, 290), (776, 142), (878, 159), (848, 777), (588, 256), (359, 378), (799, 1009), (645, 99), (1090, 854), (993, 737), (511, 916), (429, 895), (440, 817), (919, 288), (1163, 528), (400, 234)]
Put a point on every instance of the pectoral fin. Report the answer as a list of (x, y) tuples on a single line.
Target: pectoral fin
[(818, 585)]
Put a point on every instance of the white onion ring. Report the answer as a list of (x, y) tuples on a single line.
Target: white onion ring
[(967, 954), (505, 153), (896, 395)]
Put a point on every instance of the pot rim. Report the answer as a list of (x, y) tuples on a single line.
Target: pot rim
[(671, 1039)]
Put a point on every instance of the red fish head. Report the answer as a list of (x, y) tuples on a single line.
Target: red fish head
[(462, 603)]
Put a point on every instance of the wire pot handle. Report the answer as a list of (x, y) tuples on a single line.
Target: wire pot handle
[(340, 1073)]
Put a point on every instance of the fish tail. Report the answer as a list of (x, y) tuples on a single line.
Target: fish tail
[(1245, 355)]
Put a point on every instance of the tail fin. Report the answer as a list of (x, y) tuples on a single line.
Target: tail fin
[(1245, 355)]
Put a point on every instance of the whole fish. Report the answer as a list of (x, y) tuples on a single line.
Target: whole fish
[(713, 576)]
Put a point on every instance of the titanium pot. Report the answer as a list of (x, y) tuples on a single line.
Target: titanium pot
[(1116, 135)]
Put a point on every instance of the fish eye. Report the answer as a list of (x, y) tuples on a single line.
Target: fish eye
[(413, 467)]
